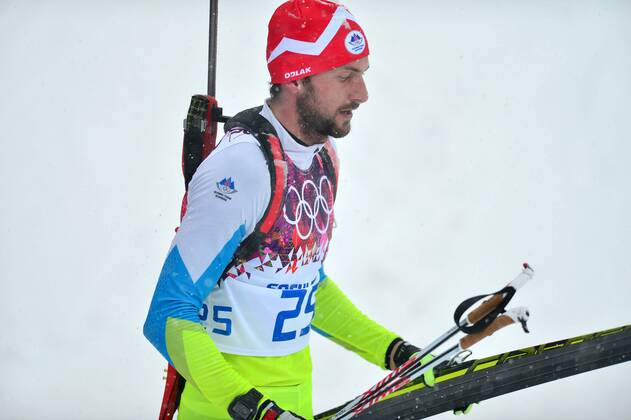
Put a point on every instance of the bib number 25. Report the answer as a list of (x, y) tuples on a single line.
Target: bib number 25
[(299, 295), (224, 324)]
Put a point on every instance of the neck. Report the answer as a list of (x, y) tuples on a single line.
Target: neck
[(287, 115)]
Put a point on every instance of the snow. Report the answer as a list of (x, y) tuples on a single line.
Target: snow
[(496, 133)]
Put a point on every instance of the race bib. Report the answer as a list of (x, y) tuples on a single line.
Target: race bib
[(272, 319)]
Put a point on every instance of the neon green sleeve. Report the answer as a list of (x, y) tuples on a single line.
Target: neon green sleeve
[(338, 319), (173, 326), (196, 358)]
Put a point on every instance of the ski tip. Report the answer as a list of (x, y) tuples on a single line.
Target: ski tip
[(527, 266)]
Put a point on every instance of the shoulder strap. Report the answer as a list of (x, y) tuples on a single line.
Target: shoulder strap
[(252, 121), (331, 164)]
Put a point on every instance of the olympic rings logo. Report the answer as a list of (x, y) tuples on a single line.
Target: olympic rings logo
[(310, 210)]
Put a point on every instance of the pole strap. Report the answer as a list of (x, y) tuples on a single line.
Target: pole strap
[(482, 317)]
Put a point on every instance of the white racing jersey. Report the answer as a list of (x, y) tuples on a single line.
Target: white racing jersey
[(262, 306)]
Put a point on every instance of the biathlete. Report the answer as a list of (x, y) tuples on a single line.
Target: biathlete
[(243, 285)]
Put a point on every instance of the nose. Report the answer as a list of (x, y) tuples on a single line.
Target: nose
[(359, 92)]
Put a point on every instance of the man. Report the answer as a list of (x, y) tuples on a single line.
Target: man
[(233, 315)]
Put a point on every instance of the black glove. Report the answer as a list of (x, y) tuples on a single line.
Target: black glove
[(403, 352), (249, 407), (400, 351), (270, 411)]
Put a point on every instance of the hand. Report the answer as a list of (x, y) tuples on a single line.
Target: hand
[(249, 407), (401, 351), (270, 411)]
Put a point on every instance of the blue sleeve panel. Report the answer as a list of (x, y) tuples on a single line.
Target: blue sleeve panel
[(178, 296), (323, 277), (322, 274), (319, 331)]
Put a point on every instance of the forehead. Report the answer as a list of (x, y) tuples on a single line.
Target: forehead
[(357, 66)]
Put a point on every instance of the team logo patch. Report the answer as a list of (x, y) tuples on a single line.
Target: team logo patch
[(225, 187), (355, 42)]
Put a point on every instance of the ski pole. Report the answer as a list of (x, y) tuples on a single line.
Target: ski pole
[(516, 315), (484, 314)]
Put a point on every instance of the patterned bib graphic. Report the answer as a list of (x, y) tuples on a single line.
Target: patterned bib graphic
[(310, 207), (302, 233)]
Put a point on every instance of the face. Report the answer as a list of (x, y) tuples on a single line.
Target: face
[(326, 102)]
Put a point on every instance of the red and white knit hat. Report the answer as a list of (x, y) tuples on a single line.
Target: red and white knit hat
[(307, 37)]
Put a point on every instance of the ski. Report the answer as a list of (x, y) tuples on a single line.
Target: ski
[(478, 324), (477, 380)]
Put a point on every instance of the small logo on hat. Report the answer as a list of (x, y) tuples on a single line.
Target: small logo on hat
[(301, 72), (355, 42)]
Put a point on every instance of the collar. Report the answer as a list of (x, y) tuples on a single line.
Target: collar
[(290, 145)]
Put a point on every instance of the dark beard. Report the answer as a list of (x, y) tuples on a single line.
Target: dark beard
[(311, 120)]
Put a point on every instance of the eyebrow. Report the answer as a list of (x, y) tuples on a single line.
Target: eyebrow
[(355, 69)]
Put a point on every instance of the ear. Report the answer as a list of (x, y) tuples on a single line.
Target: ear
[(294, 86)]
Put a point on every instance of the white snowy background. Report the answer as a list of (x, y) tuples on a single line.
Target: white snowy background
[(496, 132)]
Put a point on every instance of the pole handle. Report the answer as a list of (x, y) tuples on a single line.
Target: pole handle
[(488, 305), (484, 314), (485, 308), (513, 316)]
